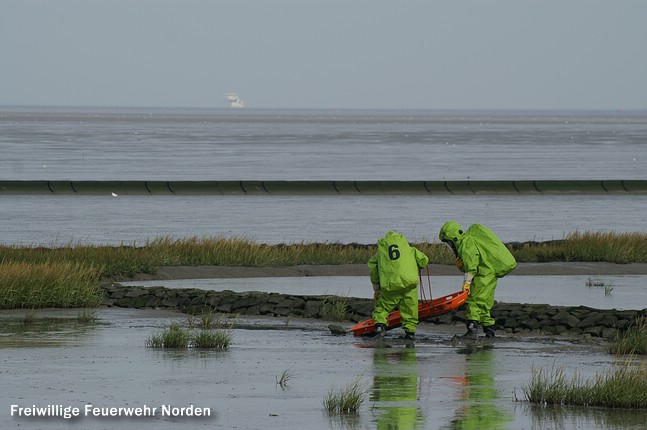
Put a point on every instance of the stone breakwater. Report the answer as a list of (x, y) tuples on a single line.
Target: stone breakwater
[(510, 317)]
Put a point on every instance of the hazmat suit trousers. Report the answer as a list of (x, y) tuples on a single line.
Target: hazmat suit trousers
[(481, 299), (405, 299)]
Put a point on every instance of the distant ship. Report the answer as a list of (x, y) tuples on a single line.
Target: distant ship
[(234, 100)]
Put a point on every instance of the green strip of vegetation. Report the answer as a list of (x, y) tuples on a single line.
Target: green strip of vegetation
[(589, 246), (68, 276), (49, 285), (624, 386), (219, 251)]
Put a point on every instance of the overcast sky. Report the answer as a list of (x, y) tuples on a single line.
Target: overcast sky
[(418, 54)]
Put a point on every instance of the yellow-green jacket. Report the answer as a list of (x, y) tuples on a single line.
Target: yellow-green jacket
[(480, 249), (396, 263)]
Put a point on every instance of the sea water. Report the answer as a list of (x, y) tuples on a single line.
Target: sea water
[(200, 144)]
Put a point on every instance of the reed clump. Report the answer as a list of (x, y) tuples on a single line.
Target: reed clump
[(623, 386), (49, 285), (173, 337), (633, 341), (177, 337), (334, 308), (346, 400)]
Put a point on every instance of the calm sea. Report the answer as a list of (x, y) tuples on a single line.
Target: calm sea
[(193, 144)]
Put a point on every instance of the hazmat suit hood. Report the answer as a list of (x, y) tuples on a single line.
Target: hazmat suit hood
[(452, 232)]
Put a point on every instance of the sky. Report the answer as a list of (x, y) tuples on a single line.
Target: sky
[(329, 54)]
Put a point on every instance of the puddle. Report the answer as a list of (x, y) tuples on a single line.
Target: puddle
[(437, 384)]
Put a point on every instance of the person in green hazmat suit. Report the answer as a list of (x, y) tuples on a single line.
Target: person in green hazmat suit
[(394, 275), (483, 258)]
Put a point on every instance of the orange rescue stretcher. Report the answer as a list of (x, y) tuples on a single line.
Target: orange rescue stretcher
[(427, 308)]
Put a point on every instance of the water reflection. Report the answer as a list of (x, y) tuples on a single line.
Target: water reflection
[(479, 408), (395, 389), (571, 417), (43, 332)]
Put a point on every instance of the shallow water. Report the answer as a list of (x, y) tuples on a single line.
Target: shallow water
[(435, 385), (47, 220), (617, 292)]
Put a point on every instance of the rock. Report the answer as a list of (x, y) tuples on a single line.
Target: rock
[(510, 317), (336, 330)]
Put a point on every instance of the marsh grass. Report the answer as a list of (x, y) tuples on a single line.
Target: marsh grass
[(173, 337), (49, 285), (68, 276), (589, 246), (633, 341), (87, 316), (176, 337), (623, 386), (209, 319), (597, 282), (282, 381), (594, 282), (346, 400), (208, 339), (127, 260), (334, 308)]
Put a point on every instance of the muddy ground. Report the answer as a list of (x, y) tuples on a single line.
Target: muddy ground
[(523, 269)]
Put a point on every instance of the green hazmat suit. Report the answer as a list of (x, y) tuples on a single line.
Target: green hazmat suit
[(485, 258), (394, 275)]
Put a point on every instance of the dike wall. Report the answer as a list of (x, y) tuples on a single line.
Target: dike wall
[(117, 188), (510, 317)]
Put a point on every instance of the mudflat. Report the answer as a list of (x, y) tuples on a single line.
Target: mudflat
[(523, 269)]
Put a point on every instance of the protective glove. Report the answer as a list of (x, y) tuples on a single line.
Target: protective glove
[(459, 263), (466, 287), (376, 291), (467, 282)]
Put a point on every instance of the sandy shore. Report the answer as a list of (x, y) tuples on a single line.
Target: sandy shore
[(523, 269)]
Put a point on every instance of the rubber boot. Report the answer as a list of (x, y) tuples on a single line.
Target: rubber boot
[(489, 332), (381, 330), (408, 336), (472, 330)]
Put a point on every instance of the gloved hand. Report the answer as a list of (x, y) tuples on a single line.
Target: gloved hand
[(459, 263), (466, 287), (467, 282)]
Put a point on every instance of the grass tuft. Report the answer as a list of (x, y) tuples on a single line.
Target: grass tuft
[(282, 381), (633, 341), (623, 386), (176, 337), (346, 400), (334, 308), (173, 337)]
